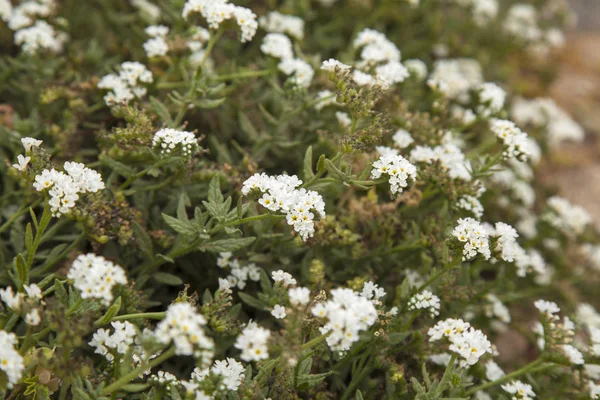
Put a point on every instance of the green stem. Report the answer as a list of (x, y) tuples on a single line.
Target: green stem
[(136, 372), (312, 343), (243, 74), (437, 275), (527, 368), (149, 315), (252, 219), (211, 43), (355, 382)]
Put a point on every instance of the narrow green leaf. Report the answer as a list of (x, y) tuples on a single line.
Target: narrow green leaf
[(60, 292), (112, 311), (28, 238), (143, 240), (223, 245), (209, 103), (252, 301), (167, 279), (22, 270), (308, 171), (247, 126)]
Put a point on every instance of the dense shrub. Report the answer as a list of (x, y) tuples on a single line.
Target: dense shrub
[(289, 199)]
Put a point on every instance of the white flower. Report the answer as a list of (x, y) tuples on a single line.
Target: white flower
[(253, 343), (569, 218), (157, 30), (456, 76), (300, 71), (11, 299), (40, 36), (332, 64), (169, 140), (147, 9), (574, 355), (125, 86), (363, 79), (277, 45), (343, 119), (33, 317), (376, 47), (402, 139), (440, 359), (399, 170), (516, 142), (497, 309), (449, 156), (372, 291), (29, 143), (491, 99), (21, 162), (33, 291), (285, 278), (347, 313), (506, 243), (156, 47), (231, 372), (281, 23), (548, 307), (184, 326), (11, 361), (425, 301), (469, 343), (493, 371), (392, 72), (94, 276), (278, 312), (217, 11), (299, 296), (416, 68), (519, 390), (474, 236), (119, 341), (472, 204), (280, 194)]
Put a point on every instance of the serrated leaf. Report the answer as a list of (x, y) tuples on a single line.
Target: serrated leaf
[(167, 279), (112, 311), (252, 301), (307, 170), (223, 245), (182, 227)]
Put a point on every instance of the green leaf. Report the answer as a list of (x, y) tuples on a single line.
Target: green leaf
[(321, 164), (358, 395), (181, 204), (215, 197), (60, 292), (252, 301), (144, 241), (44, 221), (182, 227), (117, 166), (308, 381), (265, 282), (223, 245), (28, 238), (209, 103), (335, 172), (22, 270), (161, 110), (247, 126), (167, 279), (307, 171), (112, 311), (135, 387)]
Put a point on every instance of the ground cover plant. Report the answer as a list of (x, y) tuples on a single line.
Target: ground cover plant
[(311, 199)]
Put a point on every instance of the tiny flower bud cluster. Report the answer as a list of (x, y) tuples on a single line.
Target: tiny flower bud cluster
[(280, 193), (569, 218), (94, 276), (515, 141), (184, 326), (519, 390), (66, 188), (239, 275), (169, 140), (474, 236), (11, 361), (348, 313), (397, 168), (280, 23), (425, 301), (217, 11), (125, 86), (253, 343), (466, 341)]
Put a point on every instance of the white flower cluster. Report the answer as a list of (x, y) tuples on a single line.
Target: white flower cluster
[(416, 68), (326, 98), (217, 11), (472, 204), (280, 23), (575, 356), (285, 278), (66, 188), (14, 300), (545, 113), (239, 274), (425, 301), (516, 142), (33, 34), (448, 154), (483, 10), (399, 170), (496, 309), (280, 193), (456, 77), (569, 218), (253, 343), (184, 326), (28, 144), (594, 340), (519, 390), (380, 54), (491, 99), (300, 71), (280, 46), (343, 119), (11, 361), (94, 276), (549, 308), (168, 140), (474, 236), (348, 313), (506, 240), (372, 291), (157, 45), (402, 139), (466, 341), (119, 341), (299, 296), (231, 372), (125, 86)]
